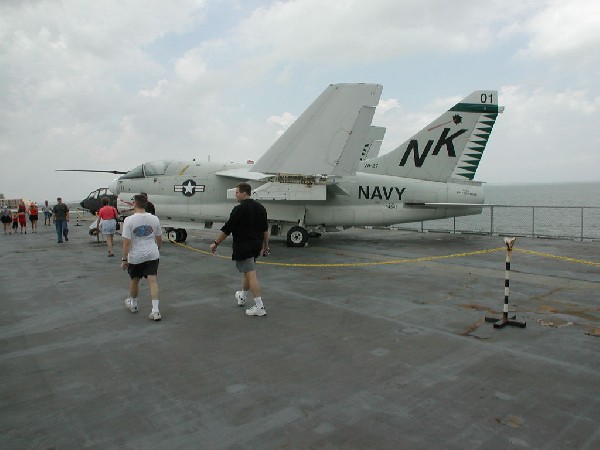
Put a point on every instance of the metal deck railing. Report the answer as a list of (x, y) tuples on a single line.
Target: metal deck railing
[(559, 222)]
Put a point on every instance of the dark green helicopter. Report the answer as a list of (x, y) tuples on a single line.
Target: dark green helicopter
[(93, 202)]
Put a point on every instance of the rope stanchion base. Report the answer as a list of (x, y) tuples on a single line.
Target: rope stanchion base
[(504, 321)]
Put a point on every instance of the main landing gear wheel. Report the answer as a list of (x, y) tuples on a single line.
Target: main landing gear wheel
[(178, 235), (297, 237)]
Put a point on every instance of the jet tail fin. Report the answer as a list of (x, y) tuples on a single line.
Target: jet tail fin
[(449, 147), (328, 137)]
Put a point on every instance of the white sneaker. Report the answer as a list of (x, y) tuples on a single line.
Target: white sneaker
[(238, 296), (256, 311), (154, 315), (129, 305)]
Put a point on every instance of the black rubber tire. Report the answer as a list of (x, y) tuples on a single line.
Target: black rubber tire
[(297, 237)]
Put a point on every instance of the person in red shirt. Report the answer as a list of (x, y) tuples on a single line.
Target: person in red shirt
[(33, 217), (22, 218), (107, 223)]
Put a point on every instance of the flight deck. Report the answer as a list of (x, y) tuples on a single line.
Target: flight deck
[(373, 339)]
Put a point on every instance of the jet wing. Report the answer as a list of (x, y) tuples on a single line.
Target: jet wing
[(328, 138), (243, 173)]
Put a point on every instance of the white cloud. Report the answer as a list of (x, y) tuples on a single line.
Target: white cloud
[(385, 105), (565, 26), (544, 135), (112, 84), (334, 33), (156, 91), (282, 122), (191, 66)]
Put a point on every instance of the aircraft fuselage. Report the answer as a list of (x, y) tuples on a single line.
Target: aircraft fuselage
[(195, 194)]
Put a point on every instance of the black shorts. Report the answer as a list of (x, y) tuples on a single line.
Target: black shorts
[(143, 269), (6, 219)]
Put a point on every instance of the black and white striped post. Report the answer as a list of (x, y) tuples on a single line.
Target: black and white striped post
[(78, 213), (502, 322)]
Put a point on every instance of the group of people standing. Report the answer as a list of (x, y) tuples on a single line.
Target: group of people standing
[(142, 239), (18, 218)]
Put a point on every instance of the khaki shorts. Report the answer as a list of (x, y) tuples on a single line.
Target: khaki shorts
[(246, 265)]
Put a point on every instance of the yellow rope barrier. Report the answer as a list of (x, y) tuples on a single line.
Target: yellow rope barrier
[(358, 264), (401, 261), (563, 258)]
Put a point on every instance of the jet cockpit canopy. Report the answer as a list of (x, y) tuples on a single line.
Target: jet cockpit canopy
[(149, 169)]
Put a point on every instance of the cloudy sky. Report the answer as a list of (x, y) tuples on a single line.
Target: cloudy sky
[(111, 84)]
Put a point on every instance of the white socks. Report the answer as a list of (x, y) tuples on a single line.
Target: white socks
[(257, 300), (154, 303)]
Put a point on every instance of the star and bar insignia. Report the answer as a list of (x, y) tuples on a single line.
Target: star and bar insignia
[(188, 188)]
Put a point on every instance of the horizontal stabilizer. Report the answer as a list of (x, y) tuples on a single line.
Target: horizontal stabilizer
[(328, 138), (441, 204), (373, 144)]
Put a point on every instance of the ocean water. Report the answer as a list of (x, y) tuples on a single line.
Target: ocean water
[(556, 210), (547, 194)]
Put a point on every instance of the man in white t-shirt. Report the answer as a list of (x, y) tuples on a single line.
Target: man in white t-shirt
[(142, 238)]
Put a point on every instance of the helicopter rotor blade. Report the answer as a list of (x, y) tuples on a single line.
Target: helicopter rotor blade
[(116, 172)]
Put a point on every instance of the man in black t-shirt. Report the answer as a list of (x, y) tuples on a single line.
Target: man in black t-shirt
[(149, 206), (60, 214), (250, 228)]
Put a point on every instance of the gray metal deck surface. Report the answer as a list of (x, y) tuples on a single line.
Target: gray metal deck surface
[(377, 356)]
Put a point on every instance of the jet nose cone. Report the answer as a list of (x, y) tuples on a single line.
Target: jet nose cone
[(113, 186), (81, 203)]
